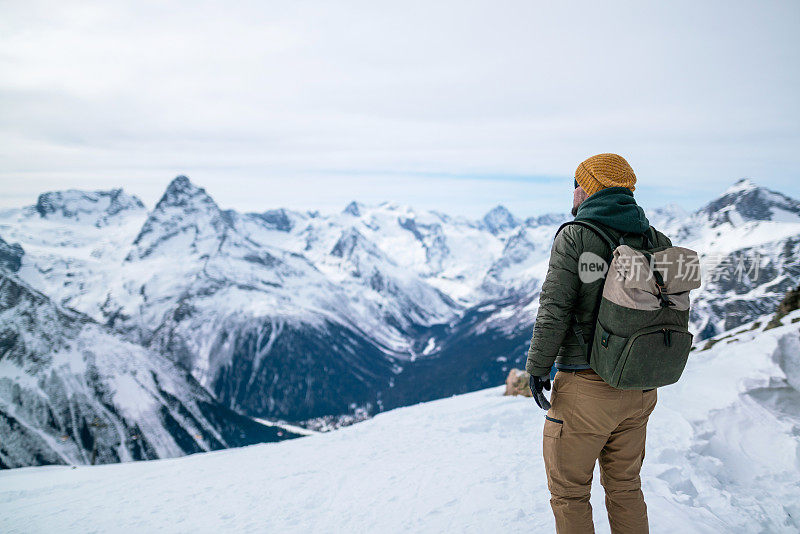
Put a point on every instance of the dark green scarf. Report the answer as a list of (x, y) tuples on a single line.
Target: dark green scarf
[(614, 207)]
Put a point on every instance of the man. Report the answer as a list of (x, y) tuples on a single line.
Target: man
[(589, 420)]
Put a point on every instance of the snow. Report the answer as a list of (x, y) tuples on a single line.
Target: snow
[(722, 456), (286, 426), (743, 184)]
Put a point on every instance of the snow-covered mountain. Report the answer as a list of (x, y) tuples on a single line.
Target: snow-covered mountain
[(96, 207), (266, 329), (73, 392), (750, 241), (10, 256), (296, 315), (722, 456)]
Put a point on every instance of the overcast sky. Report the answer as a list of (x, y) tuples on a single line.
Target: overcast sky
[(456, 105)]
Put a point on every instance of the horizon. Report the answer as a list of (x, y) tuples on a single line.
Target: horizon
[(557, 189), (150, 204)]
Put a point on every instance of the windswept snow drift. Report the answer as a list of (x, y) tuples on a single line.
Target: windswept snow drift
[(723, 456)]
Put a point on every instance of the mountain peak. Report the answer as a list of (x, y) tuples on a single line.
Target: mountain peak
[(181, 192), (277, 219), (184, 209), (740, 185), (499, 219), (354, 209), (745, 201), (94, 207), (181, 182)]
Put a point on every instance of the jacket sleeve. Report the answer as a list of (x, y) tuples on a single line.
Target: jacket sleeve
[(557, 303)]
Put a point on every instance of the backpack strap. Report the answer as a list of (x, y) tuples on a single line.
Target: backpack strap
[(649, 235), (601, 233), (648, 238), (660, 285)]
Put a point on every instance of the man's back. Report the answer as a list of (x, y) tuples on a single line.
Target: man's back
[(564, 298), (589, 420)]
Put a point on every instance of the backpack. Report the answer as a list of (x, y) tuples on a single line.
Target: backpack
[(641, 338)]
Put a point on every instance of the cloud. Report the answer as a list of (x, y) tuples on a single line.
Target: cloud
[(271, 95)]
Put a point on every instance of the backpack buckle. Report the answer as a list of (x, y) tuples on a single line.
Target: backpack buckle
[(662, 287)]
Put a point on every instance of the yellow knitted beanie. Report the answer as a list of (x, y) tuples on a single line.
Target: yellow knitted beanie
[(604, 170)]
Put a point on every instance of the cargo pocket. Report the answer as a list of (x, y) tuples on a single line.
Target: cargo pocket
[(552, 427), (551, 446)]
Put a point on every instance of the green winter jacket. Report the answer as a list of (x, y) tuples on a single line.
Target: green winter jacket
[(564, 298)]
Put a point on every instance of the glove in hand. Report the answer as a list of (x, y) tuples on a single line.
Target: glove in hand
[(538, 383)]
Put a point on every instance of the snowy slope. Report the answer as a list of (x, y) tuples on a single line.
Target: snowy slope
[(723, 456)]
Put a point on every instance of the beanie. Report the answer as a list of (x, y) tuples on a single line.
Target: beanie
[(604, 170)]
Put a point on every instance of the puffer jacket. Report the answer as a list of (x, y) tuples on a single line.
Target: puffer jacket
[(564, 299)]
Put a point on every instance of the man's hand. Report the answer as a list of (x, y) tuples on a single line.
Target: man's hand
[(538, 383)]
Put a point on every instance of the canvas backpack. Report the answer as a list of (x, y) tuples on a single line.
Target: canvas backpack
[(641, 338)]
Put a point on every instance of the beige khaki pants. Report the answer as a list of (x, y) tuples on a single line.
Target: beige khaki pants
[(588, 421)]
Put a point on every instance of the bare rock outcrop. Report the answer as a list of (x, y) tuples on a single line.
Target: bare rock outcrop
[(517, 383)]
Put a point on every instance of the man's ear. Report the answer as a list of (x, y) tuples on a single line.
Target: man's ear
[(577, 199), (579, 196)]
